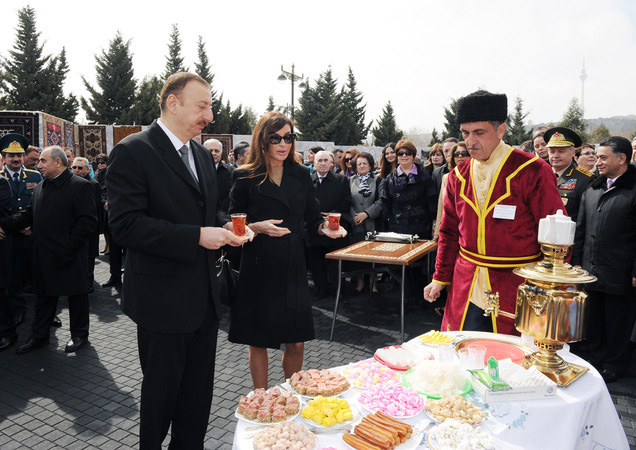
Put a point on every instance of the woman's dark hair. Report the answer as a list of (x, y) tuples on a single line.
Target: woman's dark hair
[(368, 157), (258, 157), (451, 159), (352, 152), (385, 166)]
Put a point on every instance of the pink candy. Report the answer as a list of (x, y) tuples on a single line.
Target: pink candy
[(396, 401), (369, 373)]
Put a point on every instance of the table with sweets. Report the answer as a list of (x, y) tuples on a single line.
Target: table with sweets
[(580, 416)]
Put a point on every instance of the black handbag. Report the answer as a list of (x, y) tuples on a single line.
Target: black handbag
[(227, 280)]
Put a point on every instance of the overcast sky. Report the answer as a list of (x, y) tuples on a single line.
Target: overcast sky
[(419, 54)]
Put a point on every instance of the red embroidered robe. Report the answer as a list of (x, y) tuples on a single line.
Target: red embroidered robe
[(470, 237)]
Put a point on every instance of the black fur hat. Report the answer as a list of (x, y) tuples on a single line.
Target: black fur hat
[(482, 106)]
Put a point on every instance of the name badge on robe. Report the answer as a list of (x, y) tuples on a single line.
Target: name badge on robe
[(506, 212)]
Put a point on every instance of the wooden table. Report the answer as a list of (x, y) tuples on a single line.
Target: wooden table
[(375, 252)]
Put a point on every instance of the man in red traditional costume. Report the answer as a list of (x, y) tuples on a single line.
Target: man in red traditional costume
[(492, 208)]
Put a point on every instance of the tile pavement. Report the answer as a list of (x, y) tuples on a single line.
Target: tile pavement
[(51, 400)]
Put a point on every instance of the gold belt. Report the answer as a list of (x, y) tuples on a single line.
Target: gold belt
[(497, 262)]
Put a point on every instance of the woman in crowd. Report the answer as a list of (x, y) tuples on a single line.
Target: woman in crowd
[(409, 204), (273, 303), (586, 158), (540, 148), (408, 198), (366, 204), (346, 162), (435, 157), (388, 160), (459, 154)]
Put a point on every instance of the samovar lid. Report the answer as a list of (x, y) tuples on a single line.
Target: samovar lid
[(554, 273)]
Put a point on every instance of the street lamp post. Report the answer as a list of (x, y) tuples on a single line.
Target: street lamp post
[(291, 76)]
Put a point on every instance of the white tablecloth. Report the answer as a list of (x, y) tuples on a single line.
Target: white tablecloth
[(581, 416)]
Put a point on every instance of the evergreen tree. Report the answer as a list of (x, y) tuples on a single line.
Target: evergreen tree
[(146, 107), (387, 130), (202, 66), (599, 134), (270, 104), (516, 132), (573, 119), (111, 102), (434, 138), (174, 60), (320, 111), (352, 129), (53, 95), (31, 80), (451, 127)]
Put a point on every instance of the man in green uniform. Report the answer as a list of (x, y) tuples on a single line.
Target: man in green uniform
[(571, 180)]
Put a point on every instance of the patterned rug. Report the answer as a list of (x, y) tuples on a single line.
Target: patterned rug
[(23, 122), (92, 140), (120, 132), (52, 127), (69, 135)]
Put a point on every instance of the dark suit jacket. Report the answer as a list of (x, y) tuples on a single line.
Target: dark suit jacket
[(224, 181), (156, 211), (5, 244), (62, 218), (334, 195)]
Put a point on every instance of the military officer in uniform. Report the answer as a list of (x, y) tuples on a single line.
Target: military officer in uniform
[(571, 179), (23, 182)]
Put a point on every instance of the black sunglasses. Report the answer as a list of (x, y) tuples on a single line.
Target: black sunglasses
[(276, 138), (462, 153), (347, 159), (78, 167), (403, 153)]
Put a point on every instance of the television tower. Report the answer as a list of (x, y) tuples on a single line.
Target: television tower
[(583, 77)]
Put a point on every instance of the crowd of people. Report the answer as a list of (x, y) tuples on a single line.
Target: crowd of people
[(163, 201)]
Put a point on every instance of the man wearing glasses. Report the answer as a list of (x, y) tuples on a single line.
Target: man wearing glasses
[(492, 209)]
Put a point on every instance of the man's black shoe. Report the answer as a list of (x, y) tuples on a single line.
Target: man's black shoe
[(31, 344), (112, 283), (56, 322), (7, 342), (18, 319), (609, 376), (74, 344)]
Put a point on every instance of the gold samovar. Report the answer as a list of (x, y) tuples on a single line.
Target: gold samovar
[(550, 305)]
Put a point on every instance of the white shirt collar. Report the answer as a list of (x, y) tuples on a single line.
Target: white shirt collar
[(176, 142)]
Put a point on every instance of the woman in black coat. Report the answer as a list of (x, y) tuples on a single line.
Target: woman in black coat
[(408, 199), (273, 304)]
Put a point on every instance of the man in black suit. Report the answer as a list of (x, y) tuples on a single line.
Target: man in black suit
[(62, 217), (82, 169), (223, 172), (333, 192), (162, 197)]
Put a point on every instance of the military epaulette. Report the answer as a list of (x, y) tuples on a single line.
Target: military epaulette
[(585, 171)]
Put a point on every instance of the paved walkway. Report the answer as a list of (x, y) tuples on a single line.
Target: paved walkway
[(49, 399)]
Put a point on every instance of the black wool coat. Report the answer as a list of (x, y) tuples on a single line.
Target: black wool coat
[(334, 195), (605, 239), (273, 304), (62, 217), (224, 182), (409, 204)]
